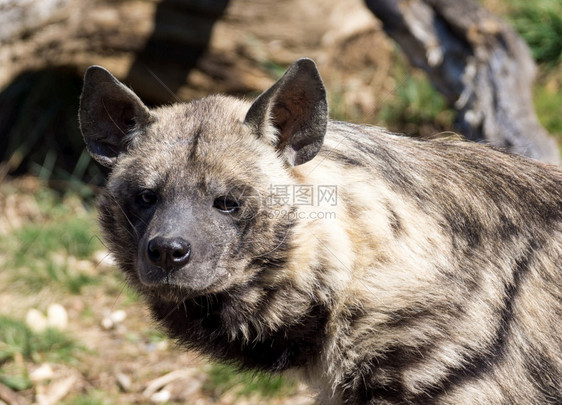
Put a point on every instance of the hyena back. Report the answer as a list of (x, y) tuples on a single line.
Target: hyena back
[(437, 278)]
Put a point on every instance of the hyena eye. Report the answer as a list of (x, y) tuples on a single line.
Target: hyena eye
[(146, 198), (226, 205)]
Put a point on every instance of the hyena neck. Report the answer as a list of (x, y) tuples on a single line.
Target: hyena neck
[(223, 327)]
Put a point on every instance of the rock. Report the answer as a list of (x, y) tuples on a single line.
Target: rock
[(103, 259), (184, 390), (124, 381), (161, 396), (36, 321), (113, 319), (57, 317), (42, 373), (118, 316), (160, 382), (56, 391), (107, 323)]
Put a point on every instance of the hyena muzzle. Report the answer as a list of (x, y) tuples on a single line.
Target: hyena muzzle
[(436, 278)]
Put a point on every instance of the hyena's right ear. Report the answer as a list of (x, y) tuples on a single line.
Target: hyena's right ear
[(109, 112), (293, 113)]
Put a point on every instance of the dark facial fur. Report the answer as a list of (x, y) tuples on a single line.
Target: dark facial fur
[(438, 278)]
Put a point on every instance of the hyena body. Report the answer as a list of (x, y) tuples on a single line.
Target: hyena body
[(437, 280)]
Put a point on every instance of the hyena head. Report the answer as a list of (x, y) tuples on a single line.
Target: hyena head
[(183, 207)]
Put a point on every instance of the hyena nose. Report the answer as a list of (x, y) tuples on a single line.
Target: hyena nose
[(168, 253)]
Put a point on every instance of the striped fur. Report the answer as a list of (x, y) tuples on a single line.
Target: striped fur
[(437, 281)]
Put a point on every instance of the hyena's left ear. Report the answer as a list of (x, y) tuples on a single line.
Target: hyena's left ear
[(109, 112), (293, 113)]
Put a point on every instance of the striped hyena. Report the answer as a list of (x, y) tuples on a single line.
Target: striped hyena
[(383, 269)]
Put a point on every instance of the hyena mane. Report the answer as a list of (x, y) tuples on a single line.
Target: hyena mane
[(431, 274)]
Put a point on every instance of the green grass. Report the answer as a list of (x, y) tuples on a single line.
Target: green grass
[(223, 378), (50, 345), (92, 397), (44, 253), (154, 335), (16, 379), (548, 104), (540, 24), (18, 342), (415, 104), (73, 235), (41, 253)]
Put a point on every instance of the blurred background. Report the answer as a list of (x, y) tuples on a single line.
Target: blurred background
[(71, 332)]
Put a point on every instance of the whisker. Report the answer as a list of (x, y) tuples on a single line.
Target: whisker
[(175, 308), (135, 235), (112, 120), (174, 95), (124, 285)]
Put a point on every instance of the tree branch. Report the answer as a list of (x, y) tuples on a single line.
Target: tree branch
[(480, 65)]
